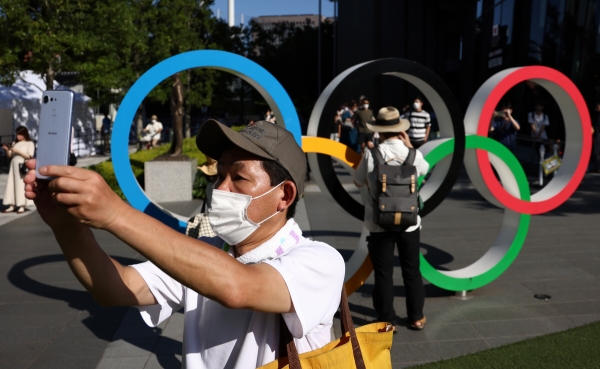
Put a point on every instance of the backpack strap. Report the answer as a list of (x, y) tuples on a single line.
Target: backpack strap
[(410, 159), (377, 155)]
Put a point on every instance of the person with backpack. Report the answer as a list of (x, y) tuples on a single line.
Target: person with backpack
[(391, 171), (539, 122)]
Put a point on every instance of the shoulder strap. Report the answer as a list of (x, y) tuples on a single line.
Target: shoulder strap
[(286, 340), (410, 159), (377, 155)]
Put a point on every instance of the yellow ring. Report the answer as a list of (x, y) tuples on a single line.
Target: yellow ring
[(320, 145)]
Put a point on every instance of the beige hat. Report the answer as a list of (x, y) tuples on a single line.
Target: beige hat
[(263, 139), (209, 167), (388, 120), (154, 117)]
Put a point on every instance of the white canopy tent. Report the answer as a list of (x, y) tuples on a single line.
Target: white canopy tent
[(20, 106)]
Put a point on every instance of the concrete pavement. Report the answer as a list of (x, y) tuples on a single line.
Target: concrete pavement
[(47, 321), (6, 218)]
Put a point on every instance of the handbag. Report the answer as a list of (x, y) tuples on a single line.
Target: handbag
[(366, 347), (23, 169), (72, 160), (199, 226)]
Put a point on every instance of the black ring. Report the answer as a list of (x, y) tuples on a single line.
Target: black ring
[(335, 92)]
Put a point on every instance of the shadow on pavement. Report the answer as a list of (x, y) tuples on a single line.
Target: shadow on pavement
[(103, 322)]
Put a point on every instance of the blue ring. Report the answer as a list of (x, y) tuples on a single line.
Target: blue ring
[(244, 68)]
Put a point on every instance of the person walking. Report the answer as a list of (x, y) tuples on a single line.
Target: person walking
[(539, 122), (347, 129), (420, 123), (105, 133), (394, 149), (361, 118), (20, 151)]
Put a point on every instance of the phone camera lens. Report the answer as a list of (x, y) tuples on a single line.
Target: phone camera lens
[(51, 99), (45, 99)]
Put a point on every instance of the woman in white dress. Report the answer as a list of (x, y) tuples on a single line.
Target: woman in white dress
[(20, 151)]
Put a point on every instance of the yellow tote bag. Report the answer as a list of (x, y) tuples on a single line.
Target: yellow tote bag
[(367, 347)]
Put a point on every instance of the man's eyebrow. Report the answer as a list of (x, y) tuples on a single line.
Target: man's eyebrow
[(239, 164)]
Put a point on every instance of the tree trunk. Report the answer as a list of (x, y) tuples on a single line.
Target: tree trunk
[(188, 119), (49, 78), (139, 125), (177, 116), (188, 115), (139, 120)]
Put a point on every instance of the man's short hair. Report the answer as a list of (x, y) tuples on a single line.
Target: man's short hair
[(277, 175), (386, 135)]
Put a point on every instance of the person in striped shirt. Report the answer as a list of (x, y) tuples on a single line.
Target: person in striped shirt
[(420, 123)]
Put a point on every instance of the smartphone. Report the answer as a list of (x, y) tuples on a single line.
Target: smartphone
[(54, 134)]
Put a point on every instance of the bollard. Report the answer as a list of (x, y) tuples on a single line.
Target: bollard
[(462, 295)]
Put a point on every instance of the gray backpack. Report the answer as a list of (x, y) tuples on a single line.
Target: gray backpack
[(396, 200)]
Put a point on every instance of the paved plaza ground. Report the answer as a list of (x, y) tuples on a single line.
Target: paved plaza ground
[(47, 320)]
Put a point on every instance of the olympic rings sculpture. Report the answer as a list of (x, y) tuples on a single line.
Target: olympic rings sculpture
[(466, 139)]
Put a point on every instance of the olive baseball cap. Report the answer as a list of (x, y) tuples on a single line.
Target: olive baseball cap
[(263, 139)]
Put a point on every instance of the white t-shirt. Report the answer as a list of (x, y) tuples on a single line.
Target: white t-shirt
[(218, 337), (153, 129), (538, 121), (394, 152), (419, 121)]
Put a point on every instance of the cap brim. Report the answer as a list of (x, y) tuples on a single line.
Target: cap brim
[(214, 137), (403, 126), (209, 170)]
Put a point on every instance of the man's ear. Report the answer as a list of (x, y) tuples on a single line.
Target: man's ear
[(289, 195)]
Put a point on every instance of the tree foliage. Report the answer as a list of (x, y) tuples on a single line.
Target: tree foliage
[(43, 36), (109, 43), (290, 53)]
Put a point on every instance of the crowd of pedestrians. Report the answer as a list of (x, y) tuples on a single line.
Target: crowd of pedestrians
[(350, 124)]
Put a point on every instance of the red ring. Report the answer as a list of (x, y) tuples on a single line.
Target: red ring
[(520, 75)]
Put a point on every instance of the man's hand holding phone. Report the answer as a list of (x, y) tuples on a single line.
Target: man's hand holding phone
[(76, 195)]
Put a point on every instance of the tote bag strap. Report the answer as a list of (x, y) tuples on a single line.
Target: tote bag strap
[(347, 326)]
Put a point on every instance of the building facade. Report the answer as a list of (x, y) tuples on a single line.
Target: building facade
[(299, 20), (466, 42)]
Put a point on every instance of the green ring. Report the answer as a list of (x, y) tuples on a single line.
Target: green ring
[(439, 278)]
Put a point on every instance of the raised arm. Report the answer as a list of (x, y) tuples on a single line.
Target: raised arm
[(83, 195), (21, 153), (513, 122), (109, 282)]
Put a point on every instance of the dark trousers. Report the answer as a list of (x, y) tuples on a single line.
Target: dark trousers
[(381, 251), (417, 144)]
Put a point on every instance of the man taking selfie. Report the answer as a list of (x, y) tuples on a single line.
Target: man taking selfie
[(233, 287)]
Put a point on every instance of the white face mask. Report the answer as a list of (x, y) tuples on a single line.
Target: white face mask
[(366, 106), (417, 106), (228, 215)]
